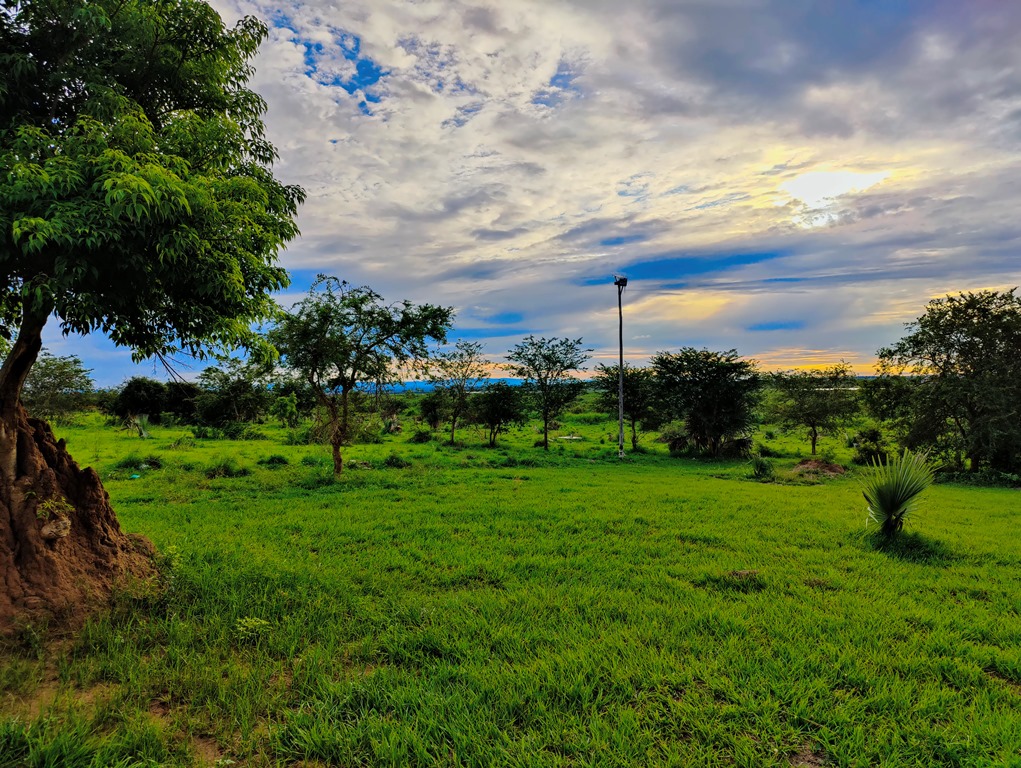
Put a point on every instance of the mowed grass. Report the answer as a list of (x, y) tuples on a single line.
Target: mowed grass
[(514, 608)]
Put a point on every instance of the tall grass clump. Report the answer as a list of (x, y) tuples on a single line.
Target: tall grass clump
[(892, 489)]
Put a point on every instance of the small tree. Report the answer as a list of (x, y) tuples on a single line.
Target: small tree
[(459, 372), (285, 409), (56, 387), (498, 406), (641, 410), (545, 365), (141, 396), (435, 407), (232, 393), (713, 392), (820, 400), (339, 337)]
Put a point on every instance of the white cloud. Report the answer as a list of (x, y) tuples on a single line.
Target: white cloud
[(521, 148)]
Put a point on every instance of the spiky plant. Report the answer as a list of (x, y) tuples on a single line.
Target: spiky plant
[(891, 489)]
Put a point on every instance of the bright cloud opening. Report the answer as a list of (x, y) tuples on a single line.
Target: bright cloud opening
[(818, 189)]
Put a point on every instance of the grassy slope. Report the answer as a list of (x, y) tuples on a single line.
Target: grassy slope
[(469, 610)]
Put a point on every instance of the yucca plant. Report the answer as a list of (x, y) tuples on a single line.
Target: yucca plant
[(891, 489)]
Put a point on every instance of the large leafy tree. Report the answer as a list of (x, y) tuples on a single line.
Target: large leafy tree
[(546, 366), (965, 352), (339, 337), (713, 392), (819, 400), (137, 200)]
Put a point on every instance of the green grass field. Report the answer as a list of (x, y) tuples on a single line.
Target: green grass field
[(509, 607)]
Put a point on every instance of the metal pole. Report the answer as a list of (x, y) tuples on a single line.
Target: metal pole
[(620, 282)]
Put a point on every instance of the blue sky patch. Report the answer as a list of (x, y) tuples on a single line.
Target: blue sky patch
[(623, 240), (675, 267), (367, 72), (560, 86), (505, 318), (780, 325)]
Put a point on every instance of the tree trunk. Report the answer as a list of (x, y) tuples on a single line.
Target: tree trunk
[(338, 459), (814, 434), (634, 435), (453, 426), (61, 549)]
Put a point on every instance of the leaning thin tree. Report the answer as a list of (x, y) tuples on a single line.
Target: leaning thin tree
[(137, 200)]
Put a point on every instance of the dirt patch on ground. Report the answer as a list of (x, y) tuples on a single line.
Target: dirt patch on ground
[(818, 467), (806, 757), (994, 673)]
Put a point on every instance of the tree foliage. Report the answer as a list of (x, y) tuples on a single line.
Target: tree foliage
[(545, 365), (820, 400), (712, 392), (233, 392), (459, 372), (965, 355), (497, 407), (57, 387), (641, 405), (136, 196), (339, 337)]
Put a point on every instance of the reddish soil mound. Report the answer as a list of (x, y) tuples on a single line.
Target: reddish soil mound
[(61, 549), (818, 467)]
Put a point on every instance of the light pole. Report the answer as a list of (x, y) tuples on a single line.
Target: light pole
[(621, 283)]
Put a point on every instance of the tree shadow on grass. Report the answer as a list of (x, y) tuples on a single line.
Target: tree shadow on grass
[(912, 548)]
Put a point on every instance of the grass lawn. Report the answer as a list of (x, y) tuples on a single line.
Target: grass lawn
[(507, 607)]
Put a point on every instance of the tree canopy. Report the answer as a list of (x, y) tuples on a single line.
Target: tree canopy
[(820, 400), (459, 372), (546, 365), (713, 392), (340, 336), (965, 352), (136, 196), (57, 386), (641, 402)]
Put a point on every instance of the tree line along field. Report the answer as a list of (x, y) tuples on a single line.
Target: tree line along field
[(472, 606)]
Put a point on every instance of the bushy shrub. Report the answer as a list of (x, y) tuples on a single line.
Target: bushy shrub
[(420, 436), (763, 469), (869, 448), (675, 437), (892, 489), (396, 461), (276, 460), (226, 468)]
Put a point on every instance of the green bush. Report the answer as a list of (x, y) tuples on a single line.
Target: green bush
[(276, 460), (892, 489), (420, 436), (396, 461), (763, 469), (869, 448), (226, 468)]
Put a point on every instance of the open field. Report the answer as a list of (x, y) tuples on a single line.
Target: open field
[(506, 607)]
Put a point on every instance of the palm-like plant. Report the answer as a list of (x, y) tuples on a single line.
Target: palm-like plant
[(892, 489)]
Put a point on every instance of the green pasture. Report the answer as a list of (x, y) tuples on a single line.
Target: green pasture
[(512, 607)]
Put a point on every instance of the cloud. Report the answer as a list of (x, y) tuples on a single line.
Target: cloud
[(511, 155)]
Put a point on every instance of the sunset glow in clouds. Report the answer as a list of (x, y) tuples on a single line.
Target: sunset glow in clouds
[(791, 179)]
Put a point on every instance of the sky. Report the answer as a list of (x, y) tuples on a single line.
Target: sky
[(793, 179)]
